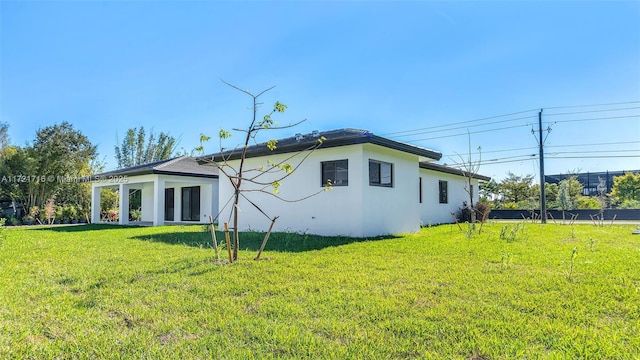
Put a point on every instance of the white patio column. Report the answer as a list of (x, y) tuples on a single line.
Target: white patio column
[(158, 201), (95, 204), (124, 204)]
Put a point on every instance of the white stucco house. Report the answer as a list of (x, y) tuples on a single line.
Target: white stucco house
[(176, 190), (379, 186)]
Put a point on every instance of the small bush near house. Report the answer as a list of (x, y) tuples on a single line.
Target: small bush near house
[(480, 209)]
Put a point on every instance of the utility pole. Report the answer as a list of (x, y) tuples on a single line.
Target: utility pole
[(543, 200)]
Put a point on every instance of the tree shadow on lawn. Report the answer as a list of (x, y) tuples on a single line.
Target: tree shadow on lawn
[(252, 240)]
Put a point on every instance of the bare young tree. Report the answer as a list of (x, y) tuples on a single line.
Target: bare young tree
[(470, 168), (263, 179)]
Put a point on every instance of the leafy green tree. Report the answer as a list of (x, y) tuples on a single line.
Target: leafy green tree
[(551, 192), (564, 198), (48, 168), (566, 194), (626, 188), (490, 191), (62, 154), (137, 148), (4, 135), (77, 193), (16, 164), (516, 188), (574, 187)]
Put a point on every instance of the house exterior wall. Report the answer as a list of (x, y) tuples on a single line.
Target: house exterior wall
[(333, 212), (390, 210), (357, 210), (431, 211), (147, 201)]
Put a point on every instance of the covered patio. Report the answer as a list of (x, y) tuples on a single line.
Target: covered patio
[(176, 190)]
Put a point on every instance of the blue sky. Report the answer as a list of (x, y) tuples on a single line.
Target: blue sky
[(389, 67)]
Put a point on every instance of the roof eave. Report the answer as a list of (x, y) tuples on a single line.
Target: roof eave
[(452, 171), (328, 143)]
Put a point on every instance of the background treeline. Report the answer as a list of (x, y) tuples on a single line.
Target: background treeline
[(519, 192), (41, 182)]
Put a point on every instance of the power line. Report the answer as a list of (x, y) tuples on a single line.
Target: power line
[(598, 144), (494, 151), (516, 126), (462, 127), (550, 146), (467, 133), (594, 119), (591, 152), (457, 123), (450, 127), (534, 157), (508, 157), (596, 157), (590, 105), (498, 161), (503, 128), (593, 111)]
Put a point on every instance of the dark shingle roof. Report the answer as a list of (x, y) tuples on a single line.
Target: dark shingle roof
[(334, 138), (180, 166), (450, 170)]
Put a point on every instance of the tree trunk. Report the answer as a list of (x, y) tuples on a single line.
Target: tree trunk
[(236, 235)]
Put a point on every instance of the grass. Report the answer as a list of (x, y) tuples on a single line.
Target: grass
[(99, 291)]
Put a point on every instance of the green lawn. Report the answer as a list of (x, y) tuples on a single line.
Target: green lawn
[(99, 291)]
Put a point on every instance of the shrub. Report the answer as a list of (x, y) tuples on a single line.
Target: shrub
[(629, 204), (59, 213), (136, 214), (510, 206), (50, 211), (587, 202), (69, 213), (13, 221), (31, 217), (480, 209), (83, 213)]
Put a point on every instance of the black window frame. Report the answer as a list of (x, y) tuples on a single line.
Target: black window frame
[(187, 212), (443, 193), (169, 204), (375, 178), (328, 173), (420, 189)]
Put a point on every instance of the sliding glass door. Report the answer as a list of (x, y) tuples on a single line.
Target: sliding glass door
[(191, 203)]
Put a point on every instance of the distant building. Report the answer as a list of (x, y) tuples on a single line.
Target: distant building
[(593, 182)]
